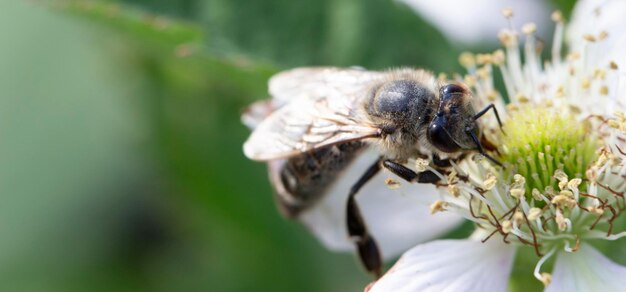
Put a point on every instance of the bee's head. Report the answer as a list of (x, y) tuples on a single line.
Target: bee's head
[(450, 128)]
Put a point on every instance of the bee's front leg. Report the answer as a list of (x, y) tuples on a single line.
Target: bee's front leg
[(410, 175), (441, 163)]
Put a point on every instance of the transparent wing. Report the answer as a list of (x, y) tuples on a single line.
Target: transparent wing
[(322, 106), (304, 83), (254, 114), (319, 82)]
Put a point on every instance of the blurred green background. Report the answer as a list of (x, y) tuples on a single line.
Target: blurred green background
[(120, 140)]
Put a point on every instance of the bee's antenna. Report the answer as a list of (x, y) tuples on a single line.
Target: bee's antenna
[(481, 150), (485, 110)]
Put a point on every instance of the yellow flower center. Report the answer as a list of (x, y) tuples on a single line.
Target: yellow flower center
[(540, 141)]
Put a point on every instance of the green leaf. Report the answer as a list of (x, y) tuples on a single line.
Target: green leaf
[(371, 33), (138, 23)]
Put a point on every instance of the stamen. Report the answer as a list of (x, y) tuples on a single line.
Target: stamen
[(508, 14), (567, 247), (518, 218), (560, 220), (490, 181), (594, 234), (438, 206), (534, 214), (392, 184), (421, 165), (557, 41), (537, 195), (545, 278), (532, 61), (596, 210), (454, 190), (467, 60), (507, 226)]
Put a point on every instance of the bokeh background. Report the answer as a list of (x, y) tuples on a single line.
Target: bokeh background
[(120, 142)]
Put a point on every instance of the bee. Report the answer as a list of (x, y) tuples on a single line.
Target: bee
[(320, 120)]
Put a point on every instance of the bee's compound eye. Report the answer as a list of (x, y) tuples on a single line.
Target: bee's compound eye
[(452, 88), (440, 138)]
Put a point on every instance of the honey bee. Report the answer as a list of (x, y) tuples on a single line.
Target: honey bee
[(320, 120)]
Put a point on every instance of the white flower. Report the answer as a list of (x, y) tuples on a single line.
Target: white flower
[(564, 153), (472, 21)]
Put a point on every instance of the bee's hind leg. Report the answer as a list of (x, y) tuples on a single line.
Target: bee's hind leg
[(369, 252), (410, 175)]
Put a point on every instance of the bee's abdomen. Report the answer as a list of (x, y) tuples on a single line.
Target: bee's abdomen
[(307, 177)]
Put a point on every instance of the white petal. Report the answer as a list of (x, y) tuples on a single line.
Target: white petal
[(451, 265), (484, 16), (398, 219), (587, 270)]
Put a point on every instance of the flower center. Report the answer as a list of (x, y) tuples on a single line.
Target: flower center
[(540, 141)]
